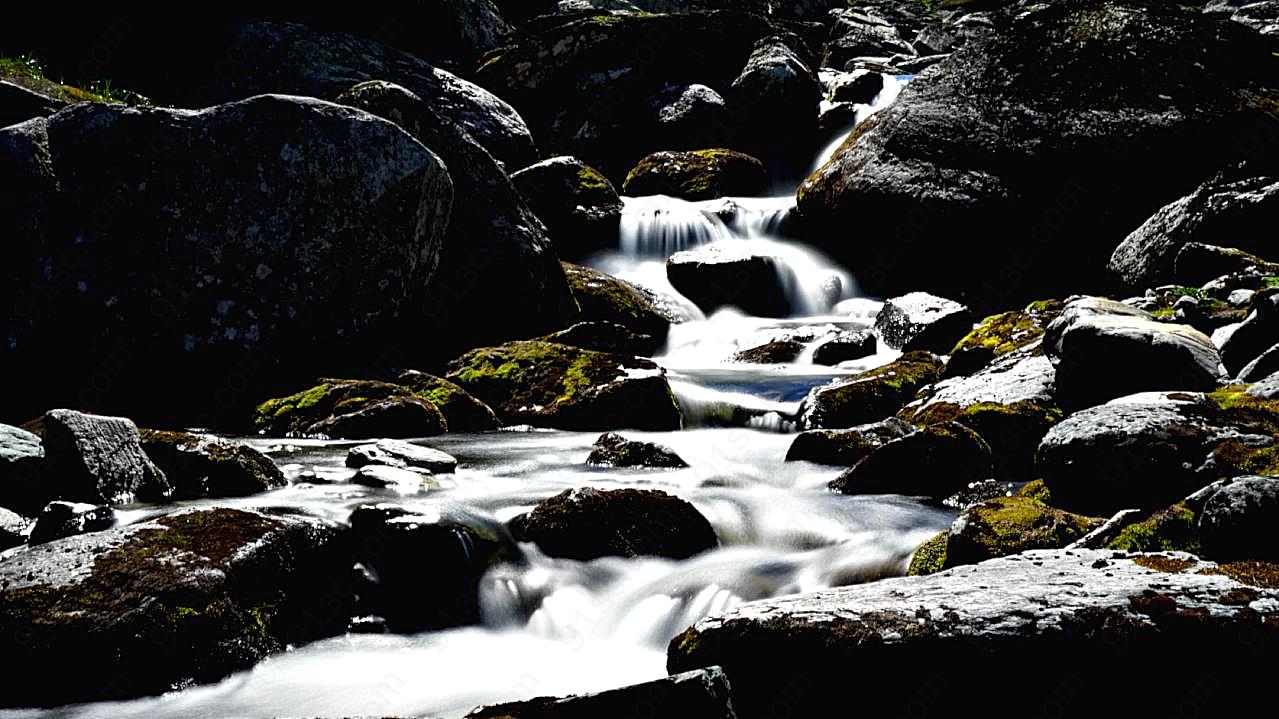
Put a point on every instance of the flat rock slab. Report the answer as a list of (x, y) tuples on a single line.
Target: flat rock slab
[(398, 453), (1089, 632)]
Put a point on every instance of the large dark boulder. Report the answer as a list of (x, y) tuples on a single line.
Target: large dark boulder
[(581, 210), (205, 466), (1237, 520), (698, 175), (168, 266), (1088, 618), (935, 461), (726, 275), (145, 608), (777, 96), (993, 177)]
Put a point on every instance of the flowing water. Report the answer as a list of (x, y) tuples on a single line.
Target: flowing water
[(556, 626)]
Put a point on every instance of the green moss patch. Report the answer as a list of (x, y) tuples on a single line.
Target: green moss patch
[(1168, 530), (1011, 525), (930, 558)]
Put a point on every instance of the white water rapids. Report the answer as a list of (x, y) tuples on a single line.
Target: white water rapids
[(605, 623)]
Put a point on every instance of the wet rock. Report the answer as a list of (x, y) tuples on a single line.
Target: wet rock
[(189, 597), (1085, 615), (614, 450), (1266, 364), (934, 461), (777, 96), (67, 519), (553, 385), (426, 564), (1256, 335), (1000, 334), (578, 205), (857, 35), (1238, 518), (1104, 349), (462, 411), (851, 346), (604, 298), (920, 321), (351, 409), (702, 693), (203, 466), (1223, 210), (21, 462), (605, 337), (954, 32), (589, 523), (725, 275), (1012, 525), (779, 352), (1197, 263), (89, 458), (697, 175), (18, 104), (845, 447), (13, 529), (405, 480), (869, 396), (396, 453), (860, 87)]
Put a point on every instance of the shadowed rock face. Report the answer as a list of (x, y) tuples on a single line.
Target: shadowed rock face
[(1090, 619)]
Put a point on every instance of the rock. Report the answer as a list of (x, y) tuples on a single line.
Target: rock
[(725, 274), (381, 476), (297, 60), (614, 450), (189, 597), (1009, 187), (777, 96), (13, 529), (26, 211), (779, 352), (1104, 349), (846, 447), (1012, 525), (690, 115), (859, 87), (552, 385), (869, 396), (498, 276), (1000, 334), (929, 557), (1267, 388), (462, 411), (605, 298), (920, 321), (1266, 365), (1256, 335), (94, 459), (934, 461), (21, 465), (578, 205), (203, 466), (351, 409), (67, 519), (1197, 263), (18, 104), (856, 35), (587, 523), (698, 175), (1260, 16), (428, 564), (216, 279), (1237, 518), (1172, 529), (396, 453), (702, 693), (851, 346), (1220, 210), (605, 337), (1085, 615)]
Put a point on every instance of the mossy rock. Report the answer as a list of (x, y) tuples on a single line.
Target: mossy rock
[(1013, 431), (1173, 529), (698, 175), (577, 204), (604, 298), (1001, 334), (1036, 490), (554, 385), (870, 396), (930, 557), (462, 411), (846, 447), (1244, 409), (201, 466), (351, 409), (1011, 525)]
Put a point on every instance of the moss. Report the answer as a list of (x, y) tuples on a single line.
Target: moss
[(875, 394), (275, 408), (1255, 574), (1270, 282), (1010, 525), (1002, 333), (1160, 563), (930, 557), (1254, 412), (28, 72), (1164, 313), (1168, 530), (1036, 491), (1235, 458), (590, 180)]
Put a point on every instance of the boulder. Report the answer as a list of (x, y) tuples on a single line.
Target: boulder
[(846, 347), (403, 480), (858, 35), (67, 519), (920, 321), (929, 557), (462, 411), (935, 461), (777, 97), (204, 466), (604, 298), (697, 175), (986, 182), (94, 459), (1000, 334), (498, 276), (869, 396), (1221, 210), (1256, 335), (351, 409), (702, 693), (19, 104), (614, 450), (396, 453), (1266, 365), (1011, 525), (209, 277), (605, 336), (846, 447), (1237, 519), (778, 352), (1104, 349), (26, 211), (1266, 389), (553, 385), (578, 205), (1171, 529), (690, 115), (427, 563), (860, 87), (1086, 617), (13, 529), (588, 523), (21, 462), (725, 274), (1198, 264), (955, 31), (186, 598)]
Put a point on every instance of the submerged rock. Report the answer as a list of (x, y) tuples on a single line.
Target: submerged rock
[(1086, 616), (203, 466), (724, 275), (920, 321), (141, 609), (396, 453), (67, 519), (589, 523), (934, 461), (351, 409), (779, 352), (869, 396), (96, 459), (578, 205), (698, 175), (1237, 520), (614, 450), (845, 447)]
